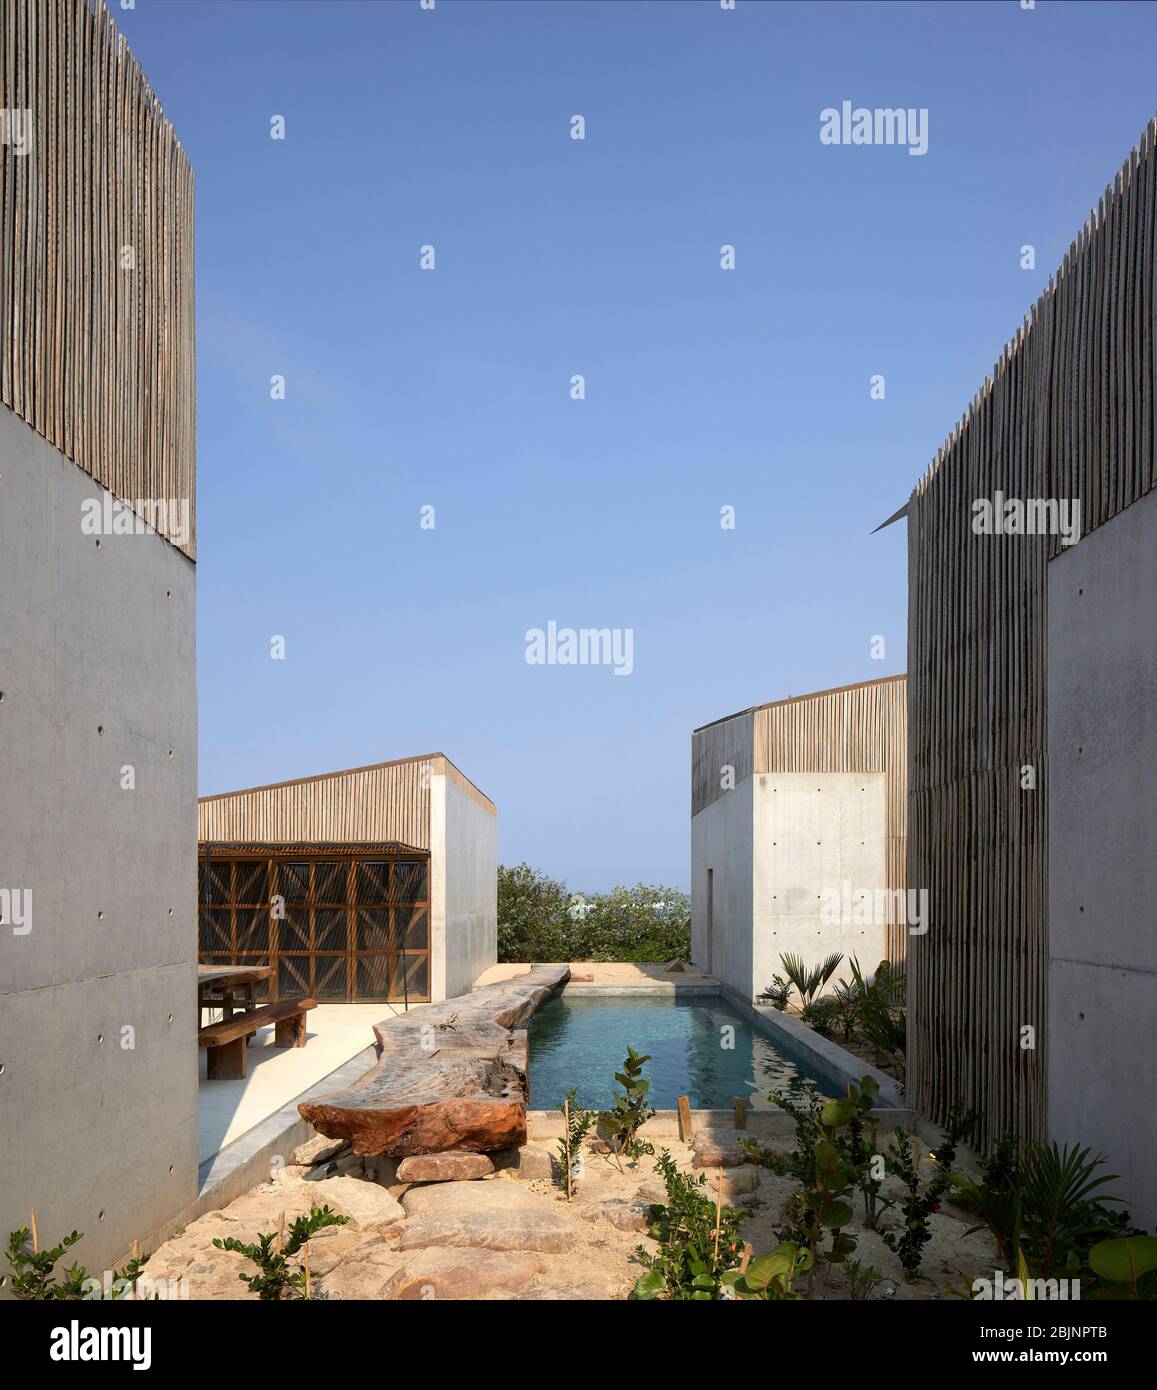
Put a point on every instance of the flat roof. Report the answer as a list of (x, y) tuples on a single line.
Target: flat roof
[(810, 695)]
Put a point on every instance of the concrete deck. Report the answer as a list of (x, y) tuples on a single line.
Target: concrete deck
[(607, 972), (228, 1109)]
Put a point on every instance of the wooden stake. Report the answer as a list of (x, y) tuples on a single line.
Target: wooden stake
[(685, 1129), (281, 1234), (307, 1292), (740, 1112), (35, 1241), (718, 1210), (566, 1140)]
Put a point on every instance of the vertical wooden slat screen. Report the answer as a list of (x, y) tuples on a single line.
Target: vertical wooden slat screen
[(386, 801), (1066, 414), (98, 359)]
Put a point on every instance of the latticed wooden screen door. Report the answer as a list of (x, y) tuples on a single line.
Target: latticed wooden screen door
[(341, 928)]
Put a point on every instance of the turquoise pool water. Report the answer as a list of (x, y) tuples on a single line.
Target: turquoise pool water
[(581, 1040)]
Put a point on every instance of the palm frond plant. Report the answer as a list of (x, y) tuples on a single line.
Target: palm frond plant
[(810, 979), (777, 994), (1049, 1203)]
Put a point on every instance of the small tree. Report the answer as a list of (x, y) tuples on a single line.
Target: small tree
[(576, 1124), (276, 1279), (620, 1125)]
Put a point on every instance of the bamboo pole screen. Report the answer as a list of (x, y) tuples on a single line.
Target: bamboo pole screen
[(96, 356), (386, 801), (1066, 414)]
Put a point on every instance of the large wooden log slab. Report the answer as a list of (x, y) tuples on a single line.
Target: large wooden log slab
[(451, 1075)]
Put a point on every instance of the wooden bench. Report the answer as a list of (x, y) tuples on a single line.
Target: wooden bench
[(227, 1041)]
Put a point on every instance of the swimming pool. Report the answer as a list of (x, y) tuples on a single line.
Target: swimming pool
[(580, 1040)]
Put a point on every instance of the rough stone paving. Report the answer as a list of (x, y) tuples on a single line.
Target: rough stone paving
[(512, 1234)]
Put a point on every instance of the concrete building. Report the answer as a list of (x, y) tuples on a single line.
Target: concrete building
[(377, 883), (98, 1035), (1032, 667), (797, 834)]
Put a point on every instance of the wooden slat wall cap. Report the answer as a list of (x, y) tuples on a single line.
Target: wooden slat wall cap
[(382, 801), (98, 355), (389, 802), (1066, 414)]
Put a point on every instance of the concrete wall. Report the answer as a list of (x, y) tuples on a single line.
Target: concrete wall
[(721, 841), (98, 1087), (463, 888), (1102, 816), (814, 832)]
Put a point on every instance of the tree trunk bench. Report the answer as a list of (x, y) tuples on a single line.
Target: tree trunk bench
[(227, 1041), (451, 1075)]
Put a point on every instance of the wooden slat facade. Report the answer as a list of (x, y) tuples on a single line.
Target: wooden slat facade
[(1066, 414), (384, 801), (98, 359)]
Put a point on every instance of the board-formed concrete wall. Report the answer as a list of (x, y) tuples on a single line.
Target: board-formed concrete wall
[(814, 833), (1102, 820), (98, 1092), (721, 868)]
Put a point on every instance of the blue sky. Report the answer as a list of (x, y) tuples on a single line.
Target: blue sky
[(705, 388)]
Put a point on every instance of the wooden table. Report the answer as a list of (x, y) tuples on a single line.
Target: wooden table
[(229, 988)]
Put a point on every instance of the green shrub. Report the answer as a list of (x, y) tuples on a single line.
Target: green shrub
[(694, 1252), (34, 1276), (276, 1279), (536, 921)]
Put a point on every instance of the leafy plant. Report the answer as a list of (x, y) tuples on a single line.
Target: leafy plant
[(862, 1148), (888, 1035), (777, 994), (1044, 1201), (276, 1279), (540, 919), (577, 1123), (923, 1197), (821, 1165), (1126, 1267), (620, 1125), (771, 1276), (820, 1015), (809, 980), (880, 1015), (862, 1279), (843, 1008), (698, 1240), (34, 1276)]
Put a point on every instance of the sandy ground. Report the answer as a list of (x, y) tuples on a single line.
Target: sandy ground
[(535, 1244)]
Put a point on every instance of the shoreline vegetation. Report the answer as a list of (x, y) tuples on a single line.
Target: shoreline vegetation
[(541, 919)]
